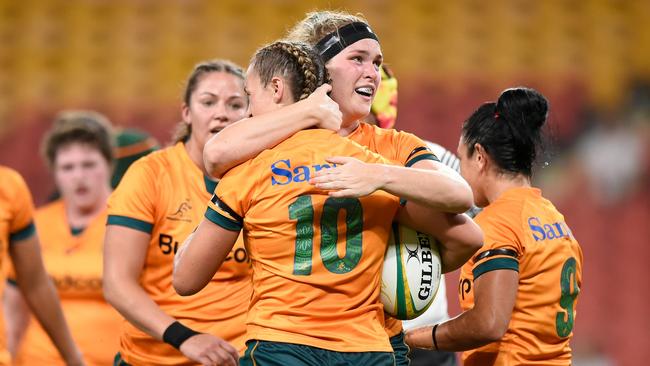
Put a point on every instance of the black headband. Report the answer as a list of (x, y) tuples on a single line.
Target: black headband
[(336, 41)]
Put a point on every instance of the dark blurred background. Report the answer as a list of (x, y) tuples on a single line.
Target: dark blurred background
[(129, 60)]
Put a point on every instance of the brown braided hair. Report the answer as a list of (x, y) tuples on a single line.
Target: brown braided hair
[(298, 63)]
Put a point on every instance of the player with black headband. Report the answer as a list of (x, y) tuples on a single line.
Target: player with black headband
[(353, 58)]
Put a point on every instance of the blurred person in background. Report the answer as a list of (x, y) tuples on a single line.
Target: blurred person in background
[(130, 145), (158, 203), (19, 243), (519, 292), (383, 113), (618, 140), (79, 153), (352, 55)]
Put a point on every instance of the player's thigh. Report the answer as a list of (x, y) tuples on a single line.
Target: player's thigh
[(400, 350), (264, 353)]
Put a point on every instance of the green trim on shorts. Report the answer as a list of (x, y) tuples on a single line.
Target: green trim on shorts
[(267, 353), (118, 361)]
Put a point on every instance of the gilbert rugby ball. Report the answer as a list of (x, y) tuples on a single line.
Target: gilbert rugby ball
[(411, 273)]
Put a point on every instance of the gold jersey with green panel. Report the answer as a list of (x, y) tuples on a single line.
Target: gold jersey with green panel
[(316, 259), (73, 259), (524, 232), (164, 194), (16, 223), (401, 148)]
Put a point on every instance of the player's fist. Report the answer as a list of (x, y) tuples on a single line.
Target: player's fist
[(324, 109), (209, 350)]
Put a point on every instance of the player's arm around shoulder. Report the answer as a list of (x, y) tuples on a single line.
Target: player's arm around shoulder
[(248, 137), (440, 187), (427, 182)]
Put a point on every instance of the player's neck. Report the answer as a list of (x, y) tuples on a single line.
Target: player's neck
[(347, 130), (500, 184), (80, 216), (195, 153)]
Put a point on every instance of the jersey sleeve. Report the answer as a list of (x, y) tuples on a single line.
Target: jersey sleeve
[(446, 157), (369, 156), (232, 198), (21, 225), (132, 203), (501, 249), (411, 149)]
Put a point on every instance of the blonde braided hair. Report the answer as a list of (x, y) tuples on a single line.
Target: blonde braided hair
[(318, 24), (298, 63)]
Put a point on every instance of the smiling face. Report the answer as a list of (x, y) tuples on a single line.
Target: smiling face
[(355, 78), (217, 101), (81, 174)]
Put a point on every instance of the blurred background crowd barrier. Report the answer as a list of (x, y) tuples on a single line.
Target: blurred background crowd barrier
[(129, 59)]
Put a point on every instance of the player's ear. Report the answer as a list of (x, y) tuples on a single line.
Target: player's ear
[(185, 113), (481, 156), (278, 86)]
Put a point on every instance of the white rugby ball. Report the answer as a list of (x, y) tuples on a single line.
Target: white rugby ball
[(411, 273)]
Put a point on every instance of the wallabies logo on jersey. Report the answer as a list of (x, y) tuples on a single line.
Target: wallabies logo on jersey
[(182, 213)]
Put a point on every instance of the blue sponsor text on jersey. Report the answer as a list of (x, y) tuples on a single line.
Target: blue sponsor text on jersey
[(283, 173), (545, 231)]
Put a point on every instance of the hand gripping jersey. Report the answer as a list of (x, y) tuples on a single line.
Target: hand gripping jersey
[(74, 262), (316, 259), (164, 194), (16, 223), (524, 232), (400, 148)]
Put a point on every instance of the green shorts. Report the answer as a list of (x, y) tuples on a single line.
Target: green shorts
[(118, 361), (264, 353), (400, 349)]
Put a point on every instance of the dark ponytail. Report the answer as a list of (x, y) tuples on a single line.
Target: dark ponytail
[(509, 130)]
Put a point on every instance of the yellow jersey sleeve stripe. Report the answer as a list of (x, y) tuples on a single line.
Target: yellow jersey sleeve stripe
[(496, 264), (427, 156), (130, 223), (23, 233), (221, 220)]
